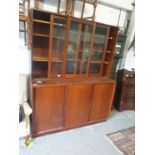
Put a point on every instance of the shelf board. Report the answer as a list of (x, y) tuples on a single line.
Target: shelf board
[(106, 62), (95, 61), (59, 37), (57, 60), (76, 59), (40, 21), (40, 35), (40, 59), (61, 25)]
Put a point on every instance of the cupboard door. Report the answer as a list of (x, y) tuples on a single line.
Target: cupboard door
[(57, 51), (98, 50), (102, 101), (48, 108), (79, 42), (77, 106)]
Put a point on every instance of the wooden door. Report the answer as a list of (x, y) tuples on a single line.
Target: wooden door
[(102, 101), (77, 105), (48, 109)]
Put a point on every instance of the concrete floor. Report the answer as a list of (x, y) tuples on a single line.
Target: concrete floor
[(90, 140)]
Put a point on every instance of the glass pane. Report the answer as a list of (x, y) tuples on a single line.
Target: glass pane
[(86, 53), (58, 39), (84, 66), (70, 67), (78, 48), (88, 36), (56, 68), (78, 67), (100, 37), (95, 68), (72, 53), (96, 55)]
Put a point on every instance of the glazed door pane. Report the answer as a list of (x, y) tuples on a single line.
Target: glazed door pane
[(58, 46), (97, 53), (78, 48)]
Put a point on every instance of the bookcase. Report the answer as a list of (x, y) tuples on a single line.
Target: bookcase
[(71, 66)]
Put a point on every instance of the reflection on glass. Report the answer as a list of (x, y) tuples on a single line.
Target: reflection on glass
[(118, 48), (70, 67), (58, 39), (95, 68), (84, 67), (86, 53), (58, 47), (100, 36), (96, 55), (56, 68)]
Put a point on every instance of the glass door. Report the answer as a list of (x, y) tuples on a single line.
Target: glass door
[(98, 50), (58, 46), (78, 48)]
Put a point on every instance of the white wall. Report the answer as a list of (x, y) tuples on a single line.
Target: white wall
[(23, 54), (125, 4)]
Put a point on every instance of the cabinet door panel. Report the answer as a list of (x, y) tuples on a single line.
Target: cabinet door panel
[(102, 101), (48, 108), (78, 104)]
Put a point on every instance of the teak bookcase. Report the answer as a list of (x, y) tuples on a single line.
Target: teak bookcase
[(71, 66)]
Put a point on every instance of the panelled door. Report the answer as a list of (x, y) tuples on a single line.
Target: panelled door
[(77, 104), (48, 109), (102, 101)]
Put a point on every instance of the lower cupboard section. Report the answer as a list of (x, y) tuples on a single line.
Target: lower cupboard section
[(57, 108)]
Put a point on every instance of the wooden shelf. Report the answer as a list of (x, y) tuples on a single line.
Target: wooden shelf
[(57, 60), (61, 25), (106, 62), (95, 61), (58, 37), (40, 35), (40, 59), (40, 21), (76, 60)]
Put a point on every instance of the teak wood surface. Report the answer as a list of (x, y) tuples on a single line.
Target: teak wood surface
[(64, 101)]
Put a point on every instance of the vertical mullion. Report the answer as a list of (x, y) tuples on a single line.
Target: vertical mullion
[(66, 45), (59, 1), (83, 48), (104, 51), (78, 47), (50, 46), (91, 48)]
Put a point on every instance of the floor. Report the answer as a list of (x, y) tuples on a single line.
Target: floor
[(90, 140)]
